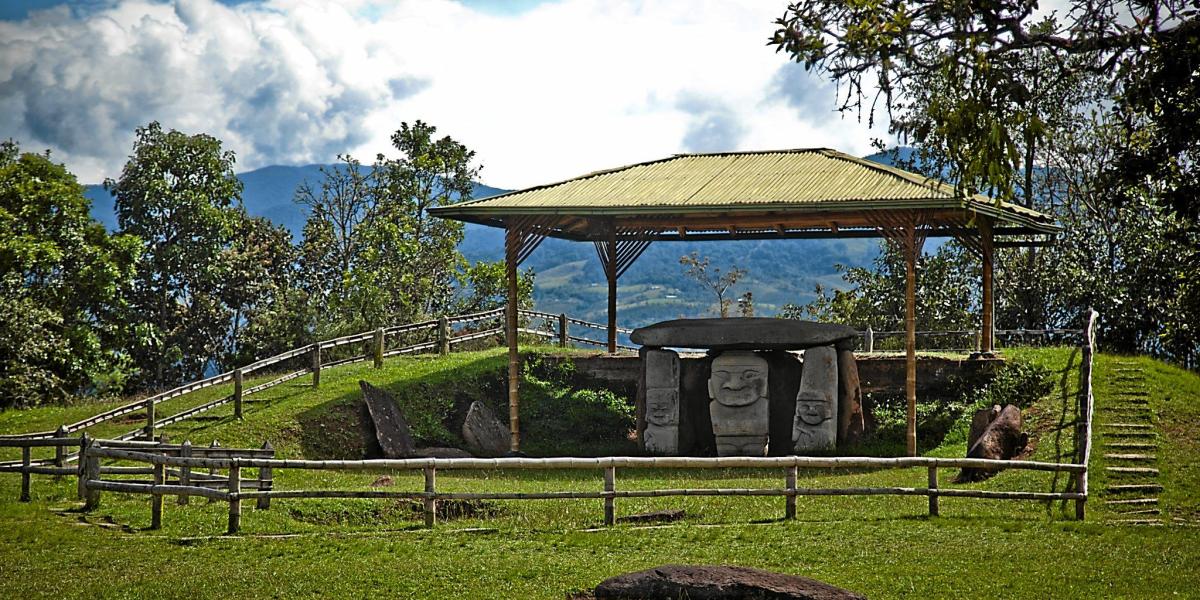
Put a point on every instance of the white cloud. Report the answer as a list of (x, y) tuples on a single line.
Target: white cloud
[(546, 94)]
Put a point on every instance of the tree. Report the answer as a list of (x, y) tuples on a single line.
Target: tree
[(179, 195), (713, 279), (63, 282), (269, 313)]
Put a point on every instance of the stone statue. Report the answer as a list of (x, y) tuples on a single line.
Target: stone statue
[(814, 428), (661, 435), (739, 407)]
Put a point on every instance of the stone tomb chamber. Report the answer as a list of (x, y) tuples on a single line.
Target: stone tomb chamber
[(762, 386)]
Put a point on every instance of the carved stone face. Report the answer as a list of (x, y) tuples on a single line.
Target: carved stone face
[(662, 407), (738, 379), (812, 412)]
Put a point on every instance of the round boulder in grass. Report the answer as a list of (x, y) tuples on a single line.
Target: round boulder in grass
[(700, 582), (744, 333)]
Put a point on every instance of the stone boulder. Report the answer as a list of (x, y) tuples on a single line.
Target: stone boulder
[(1001, 439), (391, 429), (744, 333), (671, 582), (484, 434)]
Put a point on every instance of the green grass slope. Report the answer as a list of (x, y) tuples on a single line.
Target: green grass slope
[(884, 547)]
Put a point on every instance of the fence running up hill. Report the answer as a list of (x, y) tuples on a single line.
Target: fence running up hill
[(173, 468)]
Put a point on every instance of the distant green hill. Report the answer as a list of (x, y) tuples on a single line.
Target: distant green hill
[(569, 278)]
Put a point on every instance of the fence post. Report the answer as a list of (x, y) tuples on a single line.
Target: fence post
[(25, 460), (933, 486), (1081, 488), (237, 393), (84, 441), (378, 348), (149, 430), (91, 471), (430, 502), (185, 472), (265, 482), (869, 340), (235, 493), (443, 335), (563, 337), (790, 509), (60, 451), (610, 501), (316, 364), (156, 499), (212, 470)]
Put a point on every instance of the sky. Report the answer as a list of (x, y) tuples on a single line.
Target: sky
[(542, 90)]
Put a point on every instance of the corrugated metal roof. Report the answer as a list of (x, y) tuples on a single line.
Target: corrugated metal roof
[(803, 180)]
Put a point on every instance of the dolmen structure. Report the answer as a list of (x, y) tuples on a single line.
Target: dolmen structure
[(765, 386)]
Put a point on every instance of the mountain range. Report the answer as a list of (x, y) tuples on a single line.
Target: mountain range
[(568, 275)]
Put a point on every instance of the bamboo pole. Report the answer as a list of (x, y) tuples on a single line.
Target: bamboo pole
[(933, 491), (265, 481), (663, 493), (430, 499), (156, 501), (512, 243), (377, 348), (610, 503), (235, 500), (790, 482), (25, 459), (126, 487), (610, 273)]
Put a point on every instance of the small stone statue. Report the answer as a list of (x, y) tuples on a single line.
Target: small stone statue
[(739, 407), (814, 428)]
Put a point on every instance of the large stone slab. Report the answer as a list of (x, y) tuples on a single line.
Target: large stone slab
[(661, 435), (484, 434), (698, 582), (743, 333), (851, 423), (814, 427), (1001, 439), (390, 427)]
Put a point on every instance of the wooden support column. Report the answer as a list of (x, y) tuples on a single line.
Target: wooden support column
[(610, 273), (512, 246), (987, 321), (910, 337)]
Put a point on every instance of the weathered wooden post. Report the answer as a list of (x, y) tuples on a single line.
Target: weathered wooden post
[(265, 481), (60, 451), (1081, 488), (443, 335), (869, 339), (156, 497), (25, 464), (237, 393), (235, 496), (316, 364), (212, 471), (84, 441), (377, 348), (185, 472), (91, 472), (933, 495), (790, 509), (149, 429), (610, 500), (430, 501), (563, 338)]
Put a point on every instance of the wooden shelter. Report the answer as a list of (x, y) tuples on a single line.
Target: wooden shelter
[(785, 194)]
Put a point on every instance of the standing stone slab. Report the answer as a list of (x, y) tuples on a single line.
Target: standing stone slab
[(814, 428), (851, 423), (661, 435), (740, 409), (484, 434), (390, 427)]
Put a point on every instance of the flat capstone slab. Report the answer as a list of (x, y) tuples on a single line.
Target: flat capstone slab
[(744, 333), (716, 582)]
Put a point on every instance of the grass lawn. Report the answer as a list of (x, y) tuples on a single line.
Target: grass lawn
[(883, 547)]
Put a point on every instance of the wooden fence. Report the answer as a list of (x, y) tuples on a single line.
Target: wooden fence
[(235, 491)]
